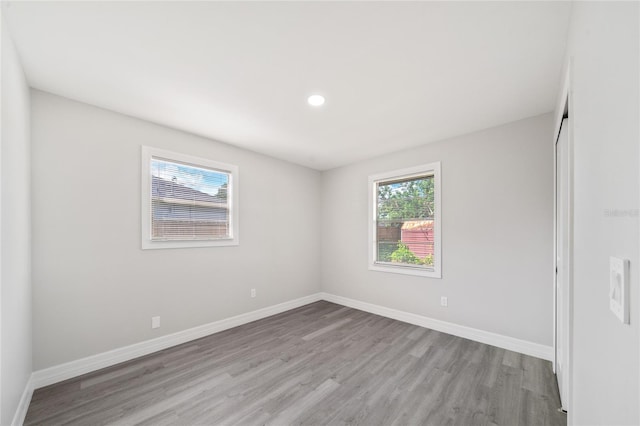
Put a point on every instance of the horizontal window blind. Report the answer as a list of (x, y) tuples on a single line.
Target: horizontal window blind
[(188, 202)]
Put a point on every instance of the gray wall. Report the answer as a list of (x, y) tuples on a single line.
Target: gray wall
[(15, 252), (497, 232), (96, 290), (603, 45)]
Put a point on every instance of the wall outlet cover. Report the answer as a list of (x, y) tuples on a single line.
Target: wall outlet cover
[(155, 322)]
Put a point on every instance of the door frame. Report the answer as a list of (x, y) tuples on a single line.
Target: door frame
[(563, 108)]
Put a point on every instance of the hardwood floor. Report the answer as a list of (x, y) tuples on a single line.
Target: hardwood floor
[(318, 364)]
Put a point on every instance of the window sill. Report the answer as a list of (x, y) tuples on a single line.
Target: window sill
[(159, 244), (406, 270)]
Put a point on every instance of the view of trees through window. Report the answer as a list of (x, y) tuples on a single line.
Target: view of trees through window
[(405, 221)]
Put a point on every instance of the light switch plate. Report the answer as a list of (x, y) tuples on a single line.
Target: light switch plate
[(619, 288)]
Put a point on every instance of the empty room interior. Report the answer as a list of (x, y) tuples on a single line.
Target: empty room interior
[(373, 213)]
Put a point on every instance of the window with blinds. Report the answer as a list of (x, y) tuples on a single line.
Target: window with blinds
[(188, 201), (405, 224)]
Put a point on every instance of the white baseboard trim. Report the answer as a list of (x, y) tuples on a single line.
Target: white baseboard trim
[(23, 404), (58, 373), (511, 343)]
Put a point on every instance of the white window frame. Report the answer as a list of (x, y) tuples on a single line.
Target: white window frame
[(426, 169), (148, 153)]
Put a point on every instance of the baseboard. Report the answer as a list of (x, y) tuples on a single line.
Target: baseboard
[(23, 404), (81, 366), (517, 345)]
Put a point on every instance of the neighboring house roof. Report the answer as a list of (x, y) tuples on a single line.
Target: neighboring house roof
[(417, 225), (173, 192), (175, 202)]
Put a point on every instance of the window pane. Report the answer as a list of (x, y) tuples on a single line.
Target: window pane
[(405, 221), (188, 202)]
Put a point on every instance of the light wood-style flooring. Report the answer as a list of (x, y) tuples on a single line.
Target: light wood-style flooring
[(316, 365)]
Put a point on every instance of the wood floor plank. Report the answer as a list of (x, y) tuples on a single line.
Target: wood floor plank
[(318, 364), (326, 329), (289, 413), (505, 398)]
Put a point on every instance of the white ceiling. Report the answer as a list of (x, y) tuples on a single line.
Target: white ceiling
[(395, 74)]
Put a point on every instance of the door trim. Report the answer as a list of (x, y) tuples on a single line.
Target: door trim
[(564, 106)]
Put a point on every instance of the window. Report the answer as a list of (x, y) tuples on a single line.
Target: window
[(404, 221), (187, 201)]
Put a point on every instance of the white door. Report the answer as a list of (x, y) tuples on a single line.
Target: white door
[(563, 261)]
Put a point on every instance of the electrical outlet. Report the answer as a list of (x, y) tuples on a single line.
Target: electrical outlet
[(444, 301), (155, 322), (253, 292)]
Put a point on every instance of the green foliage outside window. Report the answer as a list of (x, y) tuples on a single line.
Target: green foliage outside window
[(385, 250), (404, 255), (409, 200)]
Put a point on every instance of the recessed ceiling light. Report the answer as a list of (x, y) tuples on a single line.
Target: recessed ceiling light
[(315, 100)]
